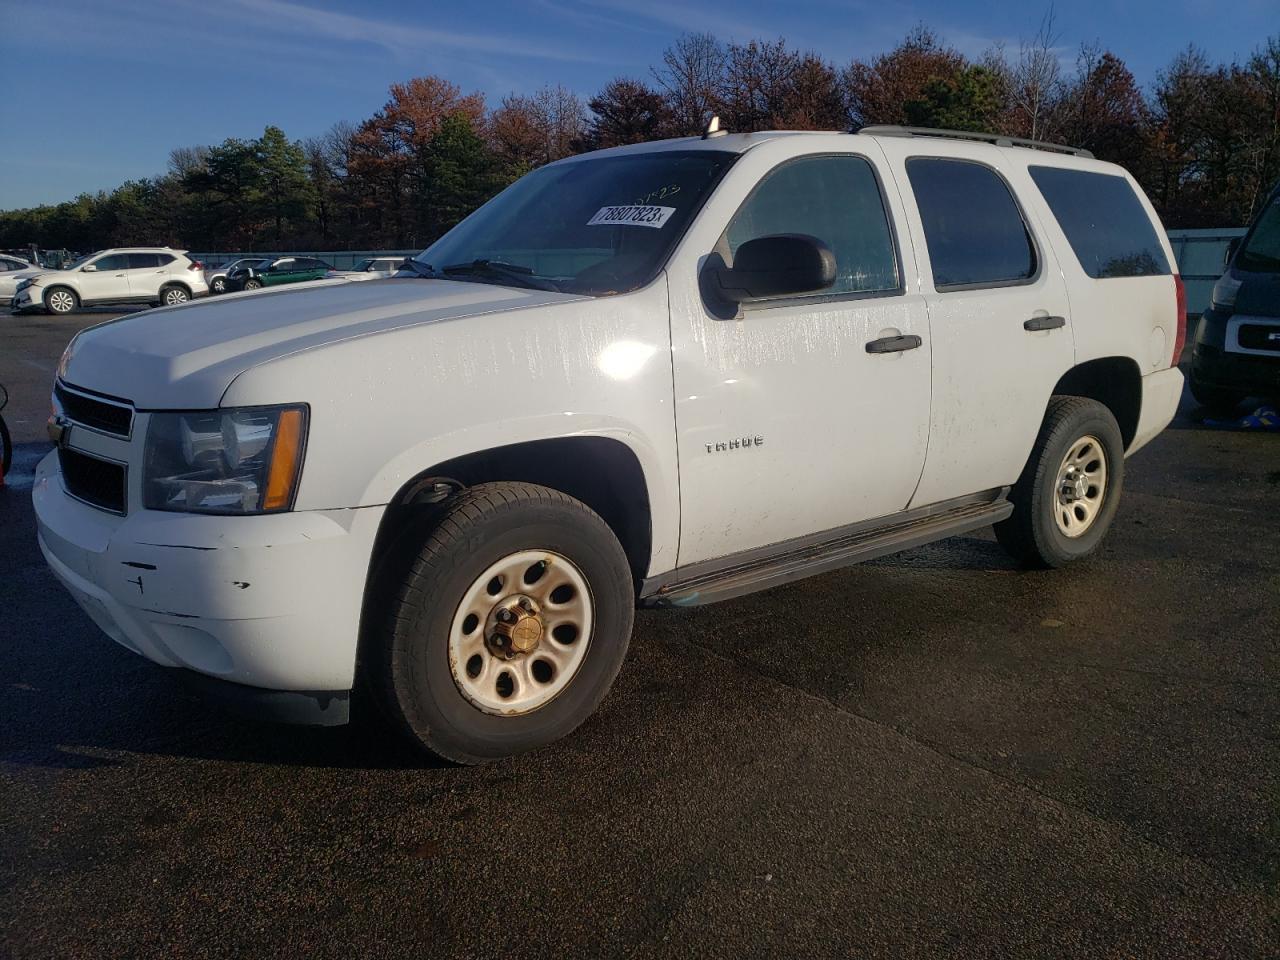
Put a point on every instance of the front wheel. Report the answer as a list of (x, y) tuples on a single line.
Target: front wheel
[(253, 284), (61, 301), (505, 625), (1068, 493)]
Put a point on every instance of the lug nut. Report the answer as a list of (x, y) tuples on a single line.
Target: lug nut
[(498, 640), (527, 604), (505, 616)]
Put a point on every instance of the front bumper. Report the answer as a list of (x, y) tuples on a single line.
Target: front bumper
[(270, 602), (26, 299), (1218, 360), (1245, 373)]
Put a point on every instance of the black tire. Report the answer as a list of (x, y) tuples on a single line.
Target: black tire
[(406, 655), (252, 284), (6, 449), (219, 285), (66, 301), (174, 295), (1032, 535), (1219, 401)]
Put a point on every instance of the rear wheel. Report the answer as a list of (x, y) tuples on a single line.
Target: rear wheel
[(505, 625), (1068, 493), (61, 300), (219, 285), (1219, 401), (174, 296)]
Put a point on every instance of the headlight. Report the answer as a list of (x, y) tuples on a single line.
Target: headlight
[(224, 461), (1225, 291)]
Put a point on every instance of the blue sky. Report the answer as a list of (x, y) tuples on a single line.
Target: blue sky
[(98, 92)]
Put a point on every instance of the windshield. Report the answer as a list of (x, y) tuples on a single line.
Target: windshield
[(1261, 252), (596, 226), (78, 261)]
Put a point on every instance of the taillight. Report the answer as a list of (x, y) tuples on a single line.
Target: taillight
[(1180, 340), (196, 265)]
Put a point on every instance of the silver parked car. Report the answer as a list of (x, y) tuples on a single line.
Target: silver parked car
[(12, 270)]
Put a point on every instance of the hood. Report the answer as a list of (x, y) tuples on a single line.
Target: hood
[(1259, 293), (186, 357)]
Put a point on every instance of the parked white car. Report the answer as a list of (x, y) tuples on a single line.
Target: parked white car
[(11, 271), (153, 275), (371, 268), (669, 373)]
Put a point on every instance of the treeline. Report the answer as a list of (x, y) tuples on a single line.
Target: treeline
[(1204, 140)]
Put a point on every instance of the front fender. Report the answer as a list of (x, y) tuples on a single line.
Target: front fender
[(387, 406)]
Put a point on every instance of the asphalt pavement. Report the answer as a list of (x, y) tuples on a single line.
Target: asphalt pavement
[(936, 754)]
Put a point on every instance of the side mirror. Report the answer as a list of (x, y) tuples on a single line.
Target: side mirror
[(1232, 246), (775, 266), (89, 268)]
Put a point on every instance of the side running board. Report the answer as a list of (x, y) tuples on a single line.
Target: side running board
[(804, 558)]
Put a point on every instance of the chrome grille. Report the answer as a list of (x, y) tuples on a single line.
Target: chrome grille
[(95, 411)]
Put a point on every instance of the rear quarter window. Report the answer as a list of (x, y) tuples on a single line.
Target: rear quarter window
[(1104, 221)]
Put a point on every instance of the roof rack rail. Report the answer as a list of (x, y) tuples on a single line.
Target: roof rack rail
[(892, 130)]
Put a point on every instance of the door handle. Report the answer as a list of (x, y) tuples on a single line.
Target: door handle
[(894, 344), (1044, 323)]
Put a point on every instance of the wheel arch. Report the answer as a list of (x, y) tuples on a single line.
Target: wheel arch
[(602, 472), (1115, 382), (44, 297)]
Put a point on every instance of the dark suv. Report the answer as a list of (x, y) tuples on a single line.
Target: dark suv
[(1237, 351), (270, 273)]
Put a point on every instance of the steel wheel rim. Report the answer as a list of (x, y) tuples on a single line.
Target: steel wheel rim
[(487, 668), (61, 302), (175, 296), (1081, 487)]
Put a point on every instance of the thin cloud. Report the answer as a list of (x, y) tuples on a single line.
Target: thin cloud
[(687, 19), (402, 36)]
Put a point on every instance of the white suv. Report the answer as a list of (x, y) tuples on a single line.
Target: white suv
[(665, 374), (153, 275)]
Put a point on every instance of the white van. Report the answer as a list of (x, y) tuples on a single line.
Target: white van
[(669, 373)]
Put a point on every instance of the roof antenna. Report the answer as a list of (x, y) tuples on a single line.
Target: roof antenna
[(712, 129)]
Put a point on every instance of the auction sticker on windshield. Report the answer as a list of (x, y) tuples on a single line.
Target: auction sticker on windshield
[(631, 216)]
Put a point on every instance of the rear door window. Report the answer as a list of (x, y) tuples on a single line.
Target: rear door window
[(1105, 223), (836, 199), (140, 261), (973, 228)]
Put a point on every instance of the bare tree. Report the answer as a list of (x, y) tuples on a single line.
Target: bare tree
[(1035, 86), (185, 161), (690, 77), (528, 131)]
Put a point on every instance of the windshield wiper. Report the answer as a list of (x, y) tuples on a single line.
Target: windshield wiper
[(421, 269), (513, 273)]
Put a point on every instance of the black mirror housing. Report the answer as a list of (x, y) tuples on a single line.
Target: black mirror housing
[(1232, 246), (783, 264)]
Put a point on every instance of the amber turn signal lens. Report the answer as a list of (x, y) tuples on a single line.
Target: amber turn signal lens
[(286, 457)]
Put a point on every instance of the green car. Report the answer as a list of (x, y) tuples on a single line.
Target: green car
[(271, 273)]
